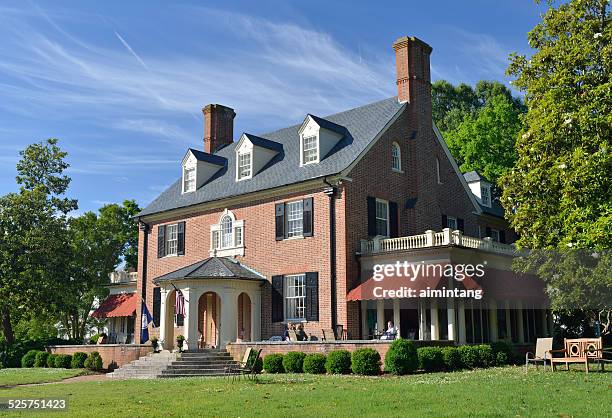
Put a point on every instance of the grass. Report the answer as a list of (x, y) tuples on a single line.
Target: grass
[(507, 391), (10, 377)]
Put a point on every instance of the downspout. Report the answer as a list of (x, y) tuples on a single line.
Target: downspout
[(331, 192), (144, 227)]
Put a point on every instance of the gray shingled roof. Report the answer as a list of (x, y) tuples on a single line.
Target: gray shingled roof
[(362, 125), (211, 268), (471, 176)]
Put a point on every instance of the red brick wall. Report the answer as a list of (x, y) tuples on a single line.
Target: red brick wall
[(113, 355)]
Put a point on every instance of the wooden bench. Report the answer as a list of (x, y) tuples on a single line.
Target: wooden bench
[(579, 350)]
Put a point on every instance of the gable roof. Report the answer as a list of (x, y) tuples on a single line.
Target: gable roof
[(212, 268), (209, 158), (362, 125), (264, 143), (325, 124)]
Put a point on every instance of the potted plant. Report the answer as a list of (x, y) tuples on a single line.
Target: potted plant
[(154, 344), (179, 343)]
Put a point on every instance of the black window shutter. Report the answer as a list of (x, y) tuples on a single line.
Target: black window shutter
[(460, 225), (371, 216), (444, 221), (312, 296), (161, 241), (277, 299), (487, 232), (502, 236), (156, 305), (393, 220), (181, 238), (307, 216), (280, 221)]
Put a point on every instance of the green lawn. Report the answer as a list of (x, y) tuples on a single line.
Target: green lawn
[(9, 377), (504, 392)]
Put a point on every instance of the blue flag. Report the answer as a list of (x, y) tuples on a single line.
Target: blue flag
[(146, 318)]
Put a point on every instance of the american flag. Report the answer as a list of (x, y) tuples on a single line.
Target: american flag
[(179, 305)]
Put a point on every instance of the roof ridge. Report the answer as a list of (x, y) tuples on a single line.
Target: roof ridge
[(221, 260)]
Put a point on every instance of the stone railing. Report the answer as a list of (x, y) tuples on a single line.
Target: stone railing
[(429, 239), (118, 277)]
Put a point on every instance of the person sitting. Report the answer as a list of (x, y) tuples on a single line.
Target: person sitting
[(301, 335), (390, 333), (288, 327)]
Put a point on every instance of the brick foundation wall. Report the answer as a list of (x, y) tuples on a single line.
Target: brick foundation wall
[(113, 355)]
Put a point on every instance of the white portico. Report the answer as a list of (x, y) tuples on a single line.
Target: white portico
[(222, 303)]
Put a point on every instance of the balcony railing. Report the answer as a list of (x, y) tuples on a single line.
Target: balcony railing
[(430, 239), (119, 277)]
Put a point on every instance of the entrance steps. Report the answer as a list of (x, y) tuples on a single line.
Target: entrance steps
[(146, 367)]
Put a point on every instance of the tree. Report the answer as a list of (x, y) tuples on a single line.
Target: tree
[(558, 194)]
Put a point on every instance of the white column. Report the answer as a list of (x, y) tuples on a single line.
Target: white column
[(396, 316), (519, 319), (435, 326), (508, 324), (450, 314), (255, 315), (461, 322), (380, 315), (191, 319), (422, 320), (493, 335), (364, 319), (229, 317), (162, 319)]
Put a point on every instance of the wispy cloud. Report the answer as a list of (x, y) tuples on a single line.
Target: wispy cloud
[(130, 50)]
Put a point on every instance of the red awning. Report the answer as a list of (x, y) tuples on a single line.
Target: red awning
[(123, 304)]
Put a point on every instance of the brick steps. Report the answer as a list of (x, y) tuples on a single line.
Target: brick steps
[(146, 367)]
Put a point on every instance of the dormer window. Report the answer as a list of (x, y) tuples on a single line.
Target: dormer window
[(318, 137), (485, 195), (310, 149), (244, 165), (253, 154), (189, 179)]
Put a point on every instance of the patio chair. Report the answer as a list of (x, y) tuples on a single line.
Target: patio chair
[(328, 334), (244, 367), (542, 353)]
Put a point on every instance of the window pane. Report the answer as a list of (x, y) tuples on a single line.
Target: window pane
[(226, 232), (309, 148), (244, 165), (189, 179), (395, 155), (294, 218), (382, 218), (451, 222), (495, 235), (295, 299), (172, 238)]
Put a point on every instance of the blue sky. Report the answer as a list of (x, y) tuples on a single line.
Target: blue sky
[(122, 84)]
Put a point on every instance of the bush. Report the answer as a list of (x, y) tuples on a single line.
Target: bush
[(484, 356), (431, 359), (28, 358), (41, 359), (501, 359), (273, 363), (63, 361), (94, 339), (314, 363), (257, 367), (78, 360), (452, 359), (51, 360), (293, 362), (401, 357), (503, 353), (338, 362), (94, 361), (365, 361)]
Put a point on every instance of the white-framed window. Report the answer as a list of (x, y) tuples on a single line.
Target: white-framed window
[(295, 215), (396, 157), (189, 179), (451, 222), (485, 195), (172, 239), (310, 149), (244, 165), (295, 297), (382, 217), (227, 237), (495, 235), (438, 170)]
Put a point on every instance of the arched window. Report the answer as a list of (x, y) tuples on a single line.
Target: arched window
[(396, 157), (227, 237), (226, 232)]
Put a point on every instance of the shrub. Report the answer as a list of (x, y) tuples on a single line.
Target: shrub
[(94, 361), (501, 359), (431, 358), (273, 363), (365, 361), (452, 359), (63, 361), (78, 360), (94, 339), (293, 362), (41, 359), (503, 353), (51, 360), (28, 358), (401, 357), (257, 367), (314, 363), (338, 362), (468, 356), (484, 355)]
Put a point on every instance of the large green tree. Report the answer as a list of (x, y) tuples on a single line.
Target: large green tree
[(558, 195)]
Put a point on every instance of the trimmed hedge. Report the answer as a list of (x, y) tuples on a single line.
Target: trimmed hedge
[(41, 359), (365, 361), (431, 359), (314, 363), (51, 360), (401, 358), (503, 353), (63, 361), (293, 362), (338, 362), (273, 363), (78, 360), (485, 355), (29, 358), (451, 357), (94, 361)]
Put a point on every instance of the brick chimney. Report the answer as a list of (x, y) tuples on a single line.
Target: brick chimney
[(412, 65), (218, 126)]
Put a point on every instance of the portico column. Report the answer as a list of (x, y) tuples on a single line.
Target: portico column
[(493, 335), (422, 320), (191, 319), (256, 315), (461, 321), (229, 317), (435, 328), (519, 319), (450, 314), (396, 316), (380, 315), (162, 318), (508, 323), (364, 319)]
